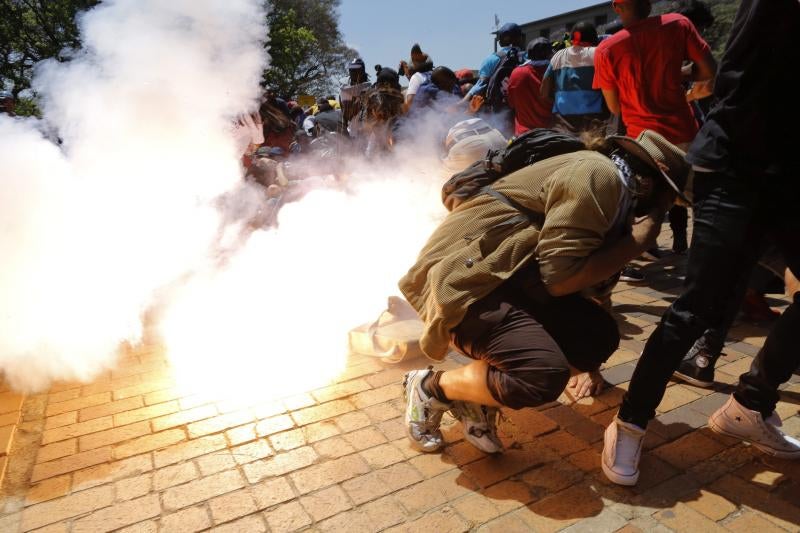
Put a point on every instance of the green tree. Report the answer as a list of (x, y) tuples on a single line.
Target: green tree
[(33, 30), (307, 52)]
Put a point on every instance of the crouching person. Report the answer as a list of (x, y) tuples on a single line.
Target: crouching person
[(501, 280)]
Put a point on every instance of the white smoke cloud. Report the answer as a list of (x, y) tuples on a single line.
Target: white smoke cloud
[(125, 214), (90, 230)]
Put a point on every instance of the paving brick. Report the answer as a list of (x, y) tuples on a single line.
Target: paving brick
[(316, 413), (241, 434), (298, 401), (215, 462), (142, 389), (148, 443), (381, 456), (748, 522), (109, 472), (173, 475), (503, 524), (561, 510), (431, 465), (328, 473), (394, 429), (247, 453), (444, 520), (273, 425), (188, 450), (280, 464), (676, 396), (365, 438), (162, 396), (352, 421), (113, 436), (271, 492), (231, 506), (341, 390), (120, 515), (108, 385), (57, 450), (375, 396), (133, 487), (269, 409), (476, 508), (509, 495), (219, 423), (110, 408), (380, 482), (183, 417), (607, 521), (69, 506), (333, 448), (78, 403), (248, 524), (711, 505), (325, 503), (48, 489), (551, 478), (491, 469), (145, 413), (63, 396), (70, 463), (75, 430), (287, 517), (57, 421), (320, 430), (435, 491), (288, 440), (383, 411), (688, 450), (563, 443), (383, 513), (683, 518), (202, 489), (186, 521)]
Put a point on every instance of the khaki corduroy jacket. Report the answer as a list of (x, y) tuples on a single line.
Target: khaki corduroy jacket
[(483, 242)]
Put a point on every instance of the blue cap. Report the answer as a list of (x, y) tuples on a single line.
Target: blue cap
[(509, 28), (6, 95)]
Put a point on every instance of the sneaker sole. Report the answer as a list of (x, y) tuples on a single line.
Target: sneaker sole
[(693, 381), (627, 481), (766, 449)]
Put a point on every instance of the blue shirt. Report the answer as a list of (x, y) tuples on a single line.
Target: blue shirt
[(488, 67), (572, 71)]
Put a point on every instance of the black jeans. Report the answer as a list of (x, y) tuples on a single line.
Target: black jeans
[(732, 217), (530, 340)]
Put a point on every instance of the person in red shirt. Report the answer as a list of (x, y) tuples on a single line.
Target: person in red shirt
[(531, 110), (639, 71)]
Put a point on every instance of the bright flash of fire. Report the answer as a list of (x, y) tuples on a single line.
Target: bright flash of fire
[(274, 322)]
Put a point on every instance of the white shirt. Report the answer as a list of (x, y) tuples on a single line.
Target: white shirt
[(414, 83)]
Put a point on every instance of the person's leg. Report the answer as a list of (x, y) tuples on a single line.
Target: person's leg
[(679, 222), (723, 250), (780, 356)]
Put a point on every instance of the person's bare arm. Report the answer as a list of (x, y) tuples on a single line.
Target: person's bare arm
[(703, 72), (612, 100), (606, 262)]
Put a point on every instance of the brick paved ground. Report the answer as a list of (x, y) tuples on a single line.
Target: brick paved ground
[(130, 452)]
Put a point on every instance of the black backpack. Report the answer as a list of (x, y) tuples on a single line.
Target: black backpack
[(496, 97), (531, 147)]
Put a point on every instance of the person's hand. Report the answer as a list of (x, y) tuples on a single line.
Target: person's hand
[(585, 384), (475, 104), (645, 230)]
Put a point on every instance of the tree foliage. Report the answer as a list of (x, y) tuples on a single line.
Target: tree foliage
[(33, 30), (306, 48)]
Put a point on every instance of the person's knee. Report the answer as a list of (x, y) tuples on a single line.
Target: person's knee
[(536, 387)]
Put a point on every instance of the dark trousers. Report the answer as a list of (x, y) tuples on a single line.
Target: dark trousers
[(678, 221), (530, 342), (733, 215)]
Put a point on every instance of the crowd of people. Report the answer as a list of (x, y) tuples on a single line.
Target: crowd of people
[(508, 277)]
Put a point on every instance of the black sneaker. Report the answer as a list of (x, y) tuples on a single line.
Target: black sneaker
[(697, 370), (631, 274)]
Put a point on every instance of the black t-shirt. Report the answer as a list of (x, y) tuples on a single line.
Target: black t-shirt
[(755, 124), (329, 120)]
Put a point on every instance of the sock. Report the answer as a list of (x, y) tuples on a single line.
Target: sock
[(432, 388)]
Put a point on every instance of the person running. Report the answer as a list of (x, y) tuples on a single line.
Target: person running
[(504, 286), (577, 107), (531, 108), (638, 70), (745, 190)]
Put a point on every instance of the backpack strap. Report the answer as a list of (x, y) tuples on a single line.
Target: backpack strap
[(533, 217)]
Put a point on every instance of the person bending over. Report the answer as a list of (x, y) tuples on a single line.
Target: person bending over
[(501, 279)]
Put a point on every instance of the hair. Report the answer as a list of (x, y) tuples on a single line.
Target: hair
[(444, 78), (540, 49), (273, 118), (584, 32), (696, 11), (642, 8)]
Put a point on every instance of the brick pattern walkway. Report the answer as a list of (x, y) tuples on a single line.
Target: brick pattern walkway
[(130, 452)]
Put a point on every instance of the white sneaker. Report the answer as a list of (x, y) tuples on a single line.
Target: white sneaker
[(423, 413), (622, 449), (480, 425), (735, 420)]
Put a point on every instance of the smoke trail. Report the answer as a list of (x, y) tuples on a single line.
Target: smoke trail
[(89, 230)]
